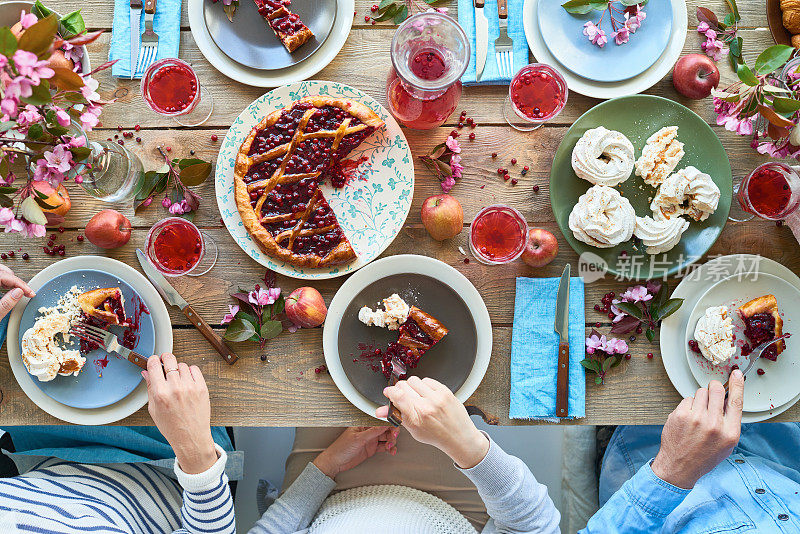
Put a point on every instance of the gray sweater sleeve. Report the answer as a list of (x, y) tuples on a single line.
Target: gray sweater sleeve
[(295, 509), (515, 501)]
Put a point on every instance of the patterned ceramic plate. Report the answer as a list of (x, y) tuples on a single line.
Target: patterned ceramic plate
[(371, 209)]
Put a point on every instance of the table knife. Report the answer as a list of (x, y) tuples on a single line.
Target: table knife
[(562, 329), (481, 38), (136, 16), (172, 297)]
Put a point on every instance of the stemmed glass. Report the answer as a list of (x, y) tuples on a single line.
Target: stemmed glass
[(171, 88)]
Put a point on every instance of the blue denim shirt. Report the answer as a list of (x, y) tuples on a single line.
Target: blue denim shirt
[(756, 489)]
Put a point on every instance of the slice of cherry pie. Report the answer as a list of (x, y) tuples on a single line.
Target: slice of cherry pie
[(417, 335), (278, 171), (762, 322), (106, 304), (287, 25)]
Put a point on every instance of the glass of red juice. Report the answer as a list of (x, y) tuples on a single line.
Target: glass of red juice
[(176, 247), (171, 88), (536, 94), (430, 52), (498, 235), (771, 192)]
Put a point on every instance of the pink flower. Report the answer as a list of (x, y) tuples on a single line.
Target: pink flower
[(234, 309), (621, 36), (59, 159), (79, 180), (33, 230), (8, 106), (19, 87), (595, 34), (29, 65), (89, 89), (3, 61), (6, 216), (455, 165), (636, 294), (27, 20), (595, 343), (616, 346), (166, 202), (89, 120), (714, 48), (15, 226), (264, 297), (62, 117), (618, 314), (703, 27), (30, 115), (452, 144), (176, 209), (73, 53), (448, 183)]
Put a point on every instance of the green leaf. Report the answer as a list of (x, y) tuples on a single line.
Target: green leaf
[(598, 380), (270, 329), (747, 76), (239, 330), (385, 3), (40, 10), (390, 12), (629, 3), (80, 153), (72, 24), (6, 189), (8, 43), (707, 16), (32, 212), (279, 305), (581, 7), (40, 94), (44, 205), (35, 132), (785, 105), (65, 79), (734, 9), (5, 168), (39, 37), (651, 334), (670, 307), (773, 58), (630, 308), (729, 20), (6, 202), (591, 365), (195, 174), (401, 15), (185, 162), (151, 184), (607, 363), (617, 360)]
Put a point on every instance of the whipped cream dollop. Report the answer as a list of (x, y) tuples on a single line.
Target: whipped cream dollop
[(602, 217), (394, 313), (687, 192), (42, 354), (714, 335), (660, 156), (603, 157), (661, 235)]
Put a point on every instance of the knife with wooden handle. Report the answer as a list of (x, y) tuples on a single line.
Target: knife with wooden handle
[(562, 329)]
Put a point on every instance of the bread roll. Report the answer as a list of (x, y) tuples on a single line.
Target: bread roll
[(791, 20)]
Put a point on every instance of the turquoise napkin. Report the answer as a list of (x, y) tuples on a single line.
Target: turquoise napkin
[(3, 329), (466, 17), (167, 24), (534, 350)]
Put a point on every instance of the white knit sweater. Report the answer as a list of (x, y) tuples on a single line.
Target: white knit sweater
[(515, 502)]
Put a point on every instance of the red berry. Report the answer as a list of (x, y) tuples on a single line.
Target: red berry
[(760, 371), (263, 357), (137, 127), (513, 161), (4, 256), (138, 139), (597, 307), (649, 355), (454, 134), (466, 260), (535, 188), (121, 142), (778, 223), (374, 8), (632, 339), (525, 168), (214, 138), (372, 21), (501, 171), (514, 181), (25, 256), (627, 356), (460, 125), (610, 315), (494, 155), (79, 238), (472, 136), (366, 18), (169, 149)]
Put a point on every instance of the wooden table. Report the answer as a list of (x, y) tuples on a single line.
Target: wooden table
[(285, 390)]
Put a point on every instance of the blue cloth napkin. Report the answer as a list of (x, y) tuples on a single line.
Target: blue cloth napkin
[(466, 17), (3, 329), (534, 350), (167, 24)]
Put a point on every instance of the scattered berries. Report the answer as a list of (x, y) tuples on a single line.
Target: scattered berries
[(649, 355), (214, 138), (535, 188), (79, 238), (627, 356), (472, 136), (263, 357), (513, 161), (25, 256), (514, 181), (374, 8), (760, 371), (494, 155)]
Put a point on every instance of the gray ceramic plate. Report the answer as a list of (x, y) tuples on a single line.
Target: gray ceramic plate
[(250, 41), (449, 361)]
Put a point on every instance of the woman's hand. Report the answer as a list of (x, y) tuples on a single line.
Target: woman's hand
[(355, 445), (180, 408), (18, 288), (433, 415)]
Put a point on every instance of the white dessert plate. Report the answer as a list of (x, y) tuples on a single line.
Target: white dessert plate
[(661, 67), (692, 286), (771, 389), (163, 341), (271, 78), (406, 264), (370, 209)]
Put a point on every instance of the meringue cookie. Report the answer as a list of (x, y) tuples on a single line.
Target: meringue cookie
[(394, 314), (602, 217), (687, 192), (660, 156), (42, 355), (660, 235), (714, 335), (603, 157)]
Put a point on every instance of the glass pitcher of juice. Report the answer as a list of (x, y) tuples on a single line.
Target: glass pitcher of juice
[(430, 52)]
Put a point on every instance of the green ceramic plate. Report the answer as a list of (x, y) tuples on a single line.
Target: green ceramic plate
[(638, 117)]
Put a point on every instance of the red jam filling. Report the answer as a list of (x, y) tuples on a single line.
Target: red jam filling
[(759, 328)]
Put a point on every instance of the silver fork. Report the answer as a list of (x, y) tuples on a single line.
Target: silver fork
[(108, 341), (149, 48), (503, 45), (756, 354)]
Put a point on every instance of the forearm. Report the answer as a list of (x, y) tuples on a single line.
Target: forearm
[(207, 502), (514, 500), (641, 505), (298, 505)]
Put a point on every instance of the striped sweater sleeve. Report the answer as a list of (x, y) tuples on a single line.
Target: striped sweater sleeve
[(207, 502)]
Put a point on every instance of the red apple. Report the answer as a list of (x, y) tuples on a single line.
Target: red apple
[(306, 308), (442, 216), (541, 249), (108, 229), (695, 75), (56, 197)]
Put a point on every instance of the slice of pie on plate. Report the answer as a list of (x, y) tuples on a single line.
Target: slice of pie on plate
[(106, 304), (762, 322), (278, 171), (417, 335), (287, 26)]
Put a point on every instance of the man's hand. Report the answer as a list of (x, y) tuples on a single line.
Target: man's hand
[(433, 415), (355, 445), (18, 288), (700, 433), (180, 408)]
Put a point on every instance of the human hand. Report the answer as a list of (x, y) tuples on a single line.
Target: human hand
[(18, 288), (433, 415), (355, 445), (700, 433), (179, 405)]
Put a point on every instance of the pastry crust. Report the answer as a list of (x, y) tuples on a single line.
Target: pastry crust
[(343, 252), (91, 303), (429, 325), (791, 20), (766, 304), (291, 41)]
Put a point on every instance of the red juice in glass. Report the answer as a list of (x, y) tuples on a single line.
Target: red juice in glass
[(536, 94), (175, 246), (498, 234), (771, 191), (170, 87)]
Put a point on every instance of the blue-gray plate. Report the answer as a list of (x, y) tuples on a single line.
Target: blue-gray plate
[(562, 32), (93, 387)]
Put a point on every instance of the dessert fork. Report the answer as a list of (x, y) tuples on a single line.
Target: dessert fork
[(108, 341), (149, 48), (503, 45), (755, 355)]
